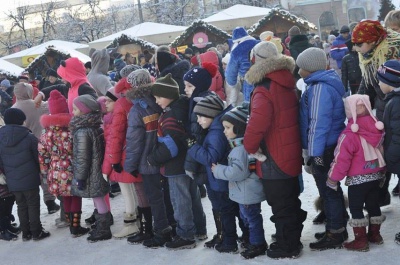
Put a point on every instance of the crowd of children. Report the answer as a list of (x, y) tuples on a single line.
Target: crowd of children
[(164, 139)]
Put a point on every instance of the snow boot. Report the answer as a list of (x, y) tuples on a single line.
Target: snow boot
[(42, 234), (181, 243), (130, 226), (92, 219), (75, 224), (5, 234), (374, 235), (146, 226), (360, 242), (102, 230), (253, 251), (52, 206), (278, 252), (217, 239), (159, 238), (330, 240)]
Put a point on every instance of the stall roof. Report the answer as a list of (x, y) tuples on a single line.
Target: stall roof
[(238, 11), (10, 69)]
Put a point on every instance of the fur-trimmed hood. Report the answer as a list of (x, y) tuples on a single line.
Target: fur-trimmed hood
[(258, 71), (60, 119)]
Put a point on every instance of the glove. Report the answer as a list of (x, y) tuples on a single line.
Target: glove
[(105, 177), (135, 173), (81, 184), (331, 184), (117, 167), (318, 160), (190, 141), (306, 158), (3, 179)]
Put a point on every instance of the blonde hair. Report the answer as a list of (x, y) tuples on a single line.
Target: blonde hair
[(392, 19)]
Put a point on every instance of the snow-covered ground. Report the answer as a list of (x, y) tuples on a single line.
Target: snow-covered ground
[(62, 249)]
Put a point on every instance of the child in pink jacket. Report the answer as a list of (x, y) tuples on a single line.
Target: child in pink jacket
[(359, 157)]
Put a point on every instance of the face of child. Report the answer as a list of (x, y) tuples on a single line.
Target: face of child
[(364, 47), (228, 130), (224, 66), (163, 102), (189, 88), (385, 87), (76, 111), (303, 73), (109, 105), (204, 122)]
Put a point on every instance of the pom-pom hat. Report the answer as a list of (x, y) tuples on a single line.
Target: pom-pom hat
[(201, 77), (351, 104)]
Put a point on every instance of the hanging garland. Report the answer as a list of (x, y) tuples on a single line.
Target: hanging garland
[(42, 60), (125, 39)]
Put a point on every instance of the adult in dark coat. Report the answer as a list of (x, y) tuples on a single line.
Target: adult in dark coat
[(351, 71)]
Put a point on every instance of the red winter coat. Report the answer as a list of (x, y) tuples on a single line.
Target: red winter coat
[(274, 118), (217, 83), (55, 153), (116, 141)]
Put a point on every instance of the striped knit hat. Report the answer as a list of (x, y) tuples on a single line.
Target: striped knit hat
[(238, 118), (210, 106), (166, 87)]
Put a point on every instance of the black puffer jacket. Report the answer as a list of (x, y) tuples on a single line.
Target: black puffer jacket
[(297, 45), (177, 71), (391, 120), (19, 158), (88, 154), (351, 71)]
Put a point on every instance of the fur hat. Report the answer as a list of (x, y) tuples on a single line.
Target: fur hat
[(265, 34), (293, 31), (166, 87), (263, 51), (389, 73), (87, 104), (201, 77), (5, 83), (238, 118), (112, 94), (210, 106), (139, 78), (14, 116), (51, 72), (128, 69), (57, 103), (344, 29), (238, 34), (351, 103), (312, 60)]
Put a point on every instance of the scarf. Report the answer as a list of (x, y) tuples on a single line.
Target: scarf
[(372, 153)]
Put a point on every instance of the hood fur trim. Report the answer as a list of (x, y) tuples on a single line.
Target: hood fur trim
[(258, 71), (61, 119)]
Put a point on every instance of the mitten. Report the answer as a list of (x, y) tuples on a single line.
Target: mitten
[(81, 184), (190, 141), (117, 167), (331, 184)]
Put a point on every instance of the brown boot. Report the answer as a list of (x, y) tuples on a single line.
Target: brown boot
[(75, 225), (374, 235), (360, 242)]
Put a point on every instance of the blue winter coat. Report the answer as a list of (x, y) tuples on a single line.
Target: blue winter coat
[(322, 112), (141, 136), (239, 64), (215, 149), (245, 187), (339, 49), (19, 158)]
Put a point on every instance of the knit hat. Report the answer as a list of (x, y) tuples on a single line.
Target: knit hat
[(238, 34), (344, 29), (293, 31), (128, 69), (51, 72), (263, 51), (210, 106), (112, 94), (368, 31), (166, 87), (139, 78), (312, 60), (189, 51), (5, 83), (57, 103), (14, 116), (351, 103), (164, 59), (87, 104), (201, 77), (389, 73), (238, 118)]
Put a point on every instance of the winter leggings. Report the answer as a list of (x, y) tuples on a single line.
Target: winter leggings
[(101, 205), (6, 205), (142, 200), (365, 193), (129, 194), (72, 204)]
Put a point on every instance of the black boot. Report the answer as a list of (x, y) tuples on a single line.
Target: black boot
[(39, 235), (12, 229), (75, 224), (52, 206), (92, 219), (329, 241), (146, 226), (102, 231), (253, 251), (277, 252), (217, 239), (4, 233), (320, 235), (159, 238)]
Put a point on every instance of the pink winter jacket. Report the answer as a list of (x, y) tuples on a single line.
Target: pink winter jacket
[(349, 154), (217, 83)]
